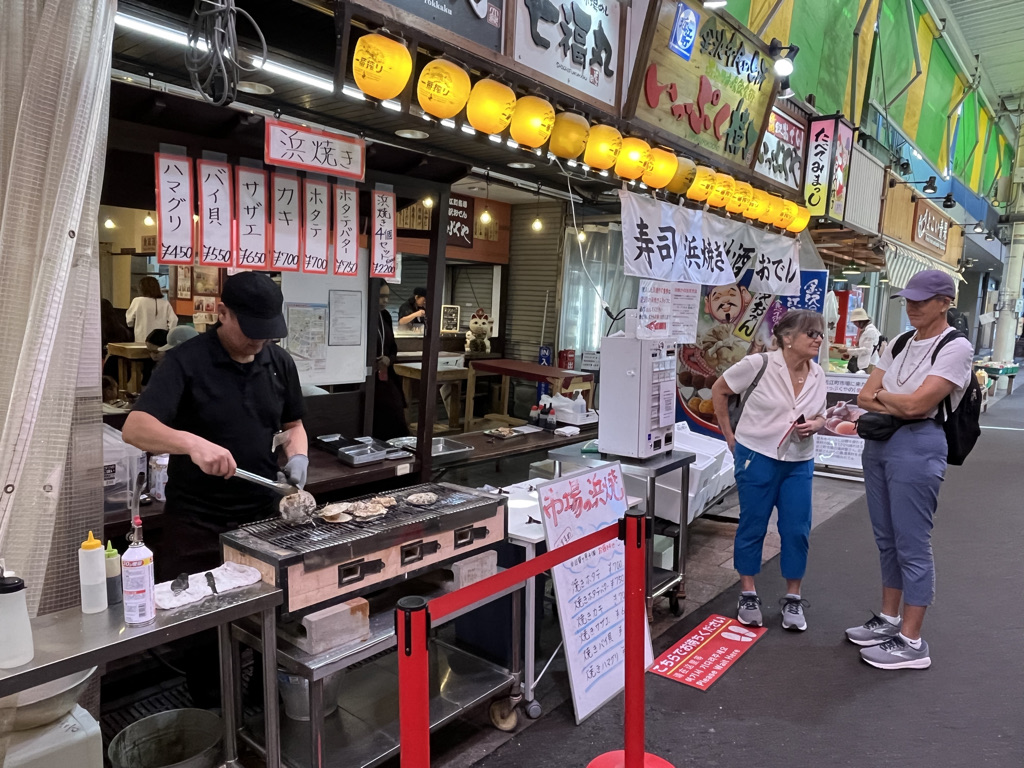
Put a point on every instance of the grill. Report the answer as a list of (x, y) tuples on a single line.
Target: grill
[(319, 563)]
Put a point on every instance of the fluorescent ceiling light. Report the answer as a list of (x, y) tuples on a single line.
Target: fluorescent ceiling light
[(467, 128), (448, 123), (354, 93), (155, 30), (716, 4), (391, 104), (290, 73)]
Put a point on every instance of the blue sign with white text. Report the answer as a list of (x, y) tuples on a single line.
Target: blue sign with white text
[(684, 32)]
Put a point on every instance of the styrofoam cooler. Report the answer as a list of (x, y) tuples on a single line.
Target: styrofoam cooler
[(667, 505)]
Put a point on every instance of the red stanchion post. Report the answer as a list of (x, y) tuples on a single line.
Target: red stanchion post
[(634, 755), (412, 622)]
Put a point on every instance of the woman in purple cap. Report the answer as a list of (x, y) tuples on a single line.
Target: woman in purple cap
[(903, 473)]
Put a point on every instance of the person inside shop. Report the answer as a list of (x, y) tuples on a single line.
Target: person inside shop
[(112, 331), (388, 398), (150, 311), (863, 355), (903, 472), (774, 449), (414, 311)]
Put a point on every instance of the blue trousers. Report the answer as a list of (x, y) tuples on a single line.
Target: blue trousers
[(902, 476), (765, 484)]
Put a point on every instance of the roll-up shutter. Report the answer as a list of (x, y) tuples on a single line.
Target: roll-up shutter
[(864, 192), (471, 290)]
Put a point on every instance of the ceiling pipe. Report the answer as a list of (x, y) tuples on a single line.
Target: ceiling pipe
[(917, 54), (854, 117), (771, 17)]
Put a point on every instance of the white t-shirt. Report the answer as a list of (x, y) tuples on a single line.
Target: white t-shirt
[(772, 407), (864, 350), (905, 374), (145, 315)]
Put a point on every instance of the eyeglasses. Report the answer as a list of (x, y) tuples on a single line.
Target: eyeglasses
[(814, 335)]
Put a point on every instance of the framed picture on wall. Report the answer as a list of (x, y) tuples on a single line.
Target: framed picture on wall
[(184, 286), (206, 280), (149, 244)]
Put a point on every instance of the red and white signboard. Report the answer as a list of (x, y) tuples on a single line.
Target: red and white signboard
[(286, 232), (310, 149), (316, 227), (383, 260), (253, 229), (174, 209), (346, 231), (704, 655), (215, 244)]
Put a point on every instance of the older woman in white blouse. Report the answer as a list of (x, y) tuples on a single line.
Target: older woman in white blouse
[(774, 450)]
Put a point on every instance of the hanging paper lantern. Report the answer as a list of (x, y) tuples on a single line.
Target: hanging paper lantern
[(787, 214), (758, 204), (634, 158), (381, 66), (703, 183), (443, 89), (800, 221), (739, 198), (603, 147), (569, 136), (774, 209), (721, 190), (662, 169), (490, 106), (532, 121), (686, 170)]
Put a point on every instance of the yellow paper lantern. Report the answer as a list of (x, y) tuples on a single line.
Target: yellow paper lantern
[(787, 214), (443, 88), (532, 121), (686, 170), (490, 106), (774, 209), (381, 66), (569, 136), (739, 198), (721, 190), (603, 147), (703, 183), (634, 158), (800, 221), (758, 204), (662, 170)]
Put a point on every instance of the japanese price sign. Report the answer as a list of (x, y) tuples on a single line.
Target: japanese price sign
[(590, 588), (573, 42), (309, 149), (174, 209), (781, 156), (705, 80), (346, 230), (215, 209), (286, 232), (383, 262), (316, 234), (253, 230)]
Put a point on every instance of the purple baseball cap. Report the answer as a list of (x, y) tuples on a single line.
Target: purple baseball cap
[(927, 285)]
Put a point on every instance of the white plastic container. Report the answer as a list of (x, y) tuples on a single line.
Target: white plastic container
[(158, 476), (92, 575), (122, 464), (16, 646), (137, 580)]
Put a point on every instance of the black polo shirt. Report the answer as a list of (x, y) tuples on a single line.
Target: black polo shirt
[(198, 388), (410, 308)]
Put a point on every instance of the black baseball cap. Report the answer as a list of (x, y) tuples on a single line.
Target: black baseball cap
[(256, 301), (420, 292)]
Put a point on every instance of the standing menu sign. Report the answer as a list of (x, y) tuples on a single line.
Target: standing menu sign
[(838, 444), (590, 588)]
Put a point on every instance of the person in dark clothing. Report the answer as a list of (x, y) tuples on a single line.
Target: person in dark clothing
[(113, 330), (388, 399), (414, 311)]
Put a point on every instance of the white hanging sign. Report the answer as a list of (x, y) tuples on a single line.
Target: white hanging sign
[(253, 230), (174, 209), (311, 149), (654, 310), (346, 230), (685, 311), (382, 257), (316, 227), (215, 243), (286, 230)]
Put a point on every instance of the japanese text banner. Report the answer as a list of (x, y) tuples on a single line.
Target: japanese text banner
[(174, 209), (286, 233), (309, 149), (383, 262), (253, 230), (215, 245), (346, 230), (316, 234)]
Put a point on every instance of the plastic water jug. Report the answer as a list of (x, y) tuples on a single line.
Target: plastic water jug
[(16, 646)]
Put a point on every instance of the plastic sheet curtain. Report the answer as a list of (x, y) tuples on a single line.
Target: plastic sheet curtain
[(54, 91)]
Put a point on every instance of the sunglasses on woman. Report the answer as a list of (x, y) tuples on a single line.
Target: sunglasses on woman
[(814, 335)]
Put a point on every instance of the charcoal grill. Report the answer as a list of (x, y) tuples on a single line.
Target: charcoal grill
[(320, 564)]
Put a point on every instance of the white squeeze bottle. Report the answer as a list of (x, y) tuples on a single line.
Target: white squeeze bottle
[(137, 580), (16, 646), (92, 575)]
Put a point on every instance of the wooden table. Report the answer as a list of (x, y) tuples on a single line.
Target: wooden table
[(445, 375), (129, 354), (562, 381)]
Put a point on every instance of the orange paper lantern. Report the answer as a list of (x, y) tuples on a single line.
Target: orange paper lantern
[(787, 214), (662, 169), (721, 190), (739, 198), (774, 209), (758, 204), (443, 89), (490, 106), (381, 66), (800, 221), (686, 170), (634, 158), (703, 184), (603, 147), (569, 136), (532, 121)]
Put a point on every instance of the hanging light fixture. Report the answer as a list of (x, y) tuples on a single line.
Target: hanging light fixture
[(783, 64), (443, 88), (800, 222), (739, 197), (148, 221), (787, 214), (686, 170), (569, 135), (603, 147), (381, 65), (851, 269), (884, 279), (532, 121), (989, 236), (537, 224), (662, 170), (978, 228), (634, 158), (720, 190), (490, 106), (581, 236), (757, 206), (703, 182), (109, 224), (774, 209), (485, 216), (785, 89), (428, 202)]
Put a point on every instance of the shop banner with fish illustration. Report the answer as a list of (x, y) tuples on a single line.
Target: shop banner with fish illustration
[(838, 444)]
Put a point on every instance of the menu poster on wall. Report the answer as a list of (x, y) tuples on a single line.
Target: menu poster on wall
[(476, 20), (253, 230), (286, 232), (346, 230), (685, 308), (382, 255), (838, 444), (781, 156), (311, 149), (590, 588), (174, 209), (215, 214), (654, 310), (316, 227)]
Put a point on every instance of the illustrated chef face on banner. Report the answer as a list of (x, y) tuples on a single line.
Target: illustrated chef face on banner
[(725, 303)]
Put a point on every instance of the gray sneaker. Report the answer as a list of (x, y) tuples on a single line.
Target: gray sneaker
[(894, 653), (874, 631), (748, 611), (793, 614)]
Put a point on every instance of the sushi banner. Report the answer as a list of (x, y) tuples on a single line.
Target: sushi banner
[(838, 444)]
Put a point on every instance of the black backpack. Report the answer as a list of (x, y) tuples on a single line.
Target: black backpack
[(961, 425)]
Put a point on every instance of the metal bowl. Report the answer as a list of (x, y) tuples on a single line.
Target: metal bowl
[(50, 701)]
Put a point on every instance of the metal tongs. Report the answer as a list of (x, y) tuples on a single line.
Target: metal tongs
[(285, 489)]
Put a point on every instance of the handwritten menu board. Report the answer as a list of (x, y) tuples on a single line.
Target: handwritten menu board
[(382, 258), (450, 316), (590, 588), (216, 248)]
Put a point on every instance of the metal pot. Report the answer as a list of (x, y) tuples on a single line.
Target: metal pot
[(48, 702), (180, 738)]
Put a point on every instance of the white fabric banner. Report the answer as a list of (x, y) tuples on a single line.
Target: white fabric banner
[(286, 233), (253, 234), (215, 214), (317, 230), (174, 209)]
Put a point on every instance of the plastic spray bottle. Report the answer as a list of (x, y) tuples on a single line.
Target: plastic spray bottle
[(137, 580)]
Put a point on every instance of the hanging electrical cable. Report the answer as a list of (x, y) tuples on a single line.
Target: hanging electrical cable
[(213, 58)]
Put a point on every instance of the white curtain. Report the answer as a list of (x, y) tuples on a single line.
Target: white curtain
[(54, 91)]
